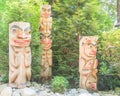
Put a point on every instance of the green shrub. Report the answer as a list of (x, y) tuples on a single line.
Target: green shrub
[(109, 49), (109, 60), (108, 82), (59, 84)]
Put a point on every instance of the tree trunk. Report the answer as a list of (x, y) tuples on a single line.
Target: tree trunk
[(118, 10), (118, 13)]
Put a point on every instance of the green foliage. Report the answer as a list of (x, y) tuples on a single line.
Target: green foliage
[(110, 7), (108, 82), (4, 77), (104, 68), (59, 84), (25, 11), (110, 46), (3, 41), (71, 19), (109, 61)]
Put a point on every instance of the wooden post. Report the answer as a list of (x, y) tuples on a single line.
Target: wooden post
[(88, 62), (46, 43), (19, 54)]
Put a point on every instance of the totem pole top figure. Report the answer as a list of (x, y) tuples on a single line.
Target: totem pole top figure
[(19, 34), (89, 48), (46, 11)]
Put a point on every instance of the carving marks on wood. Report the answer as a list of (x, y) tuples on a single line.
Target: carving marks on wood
[(88, 62), (19, 54), (46, 42)]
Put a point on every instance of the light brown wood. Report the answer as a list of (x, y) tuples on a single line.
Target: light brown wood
[(19, 54), (88, 62), (46, 43)]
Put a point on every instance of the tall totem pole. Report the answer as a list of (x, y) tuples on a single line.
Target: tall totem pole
[(88, 62), (46, 42), (19, 54)]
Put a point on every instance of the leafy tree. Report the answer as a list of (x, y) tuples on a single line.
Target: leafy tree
[(3, 40), (109, 66), (110, 7), (26, 11), (71, 19), (110, 46)]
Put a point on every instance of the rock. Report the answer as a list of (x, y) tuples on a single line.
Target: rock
[(43, 93), (69, 95), (36, 85), (117, 89), (45, 90), (16, 92), (58, 94), (6, 92), (2, 87), (42, 88), (82, 91), (96, 94), (28, 92), (109, 95), (85, 94), (73, 91)]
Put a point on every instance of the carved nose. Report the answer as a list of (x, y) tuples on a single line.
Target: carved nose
[(24, 36)]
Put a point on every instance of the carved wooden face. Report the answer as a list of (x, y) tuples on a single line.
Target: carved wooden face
[(19, 34), (91, 83), (89, 46), (46, 11), (46, 43), (91, 64), (90, 49)]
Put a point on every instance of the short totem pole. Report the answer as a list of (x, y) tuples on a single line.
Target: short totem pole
[(19, 54), (88, 62), (46, 42)]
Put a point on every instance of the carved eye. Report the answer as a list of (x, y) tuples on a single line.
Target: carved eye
[(14, 30), (44, 9), (90, 46), (27, 32), (49, 10)]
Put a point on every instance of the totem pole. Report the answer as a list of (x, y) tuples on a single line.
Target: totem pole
[(88, 63), (19, 54), (46, 42)]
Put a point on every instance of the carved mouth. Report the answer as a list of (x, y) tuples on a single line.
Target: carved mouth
[(47, 47), (46, 41), (92, 53), (21, 41), (46, 14), (93, 86)]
